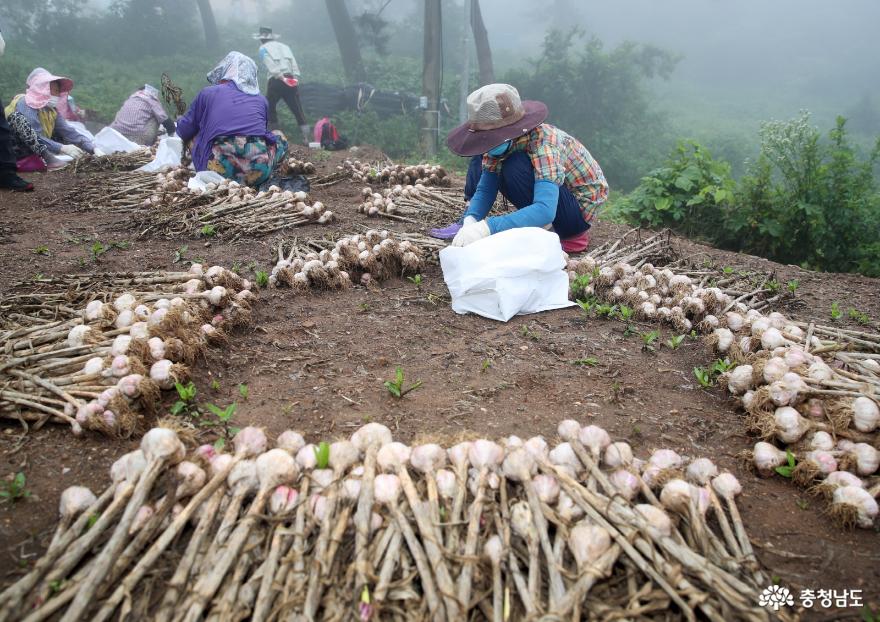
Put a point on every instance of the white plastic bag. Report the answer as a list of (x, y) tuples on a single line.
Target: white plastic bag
[(109, 140), (167, 155), (200, 180), (514, 272), (81, 129)]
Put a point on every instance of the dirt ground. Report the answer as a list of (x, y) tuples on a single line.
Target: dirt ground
[(317, 363)]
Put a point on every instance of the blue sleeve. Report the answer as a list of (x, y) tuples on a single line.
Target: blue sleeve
[(484, 196), (33, 119), (540, 213), (188, 124), (71, 136)]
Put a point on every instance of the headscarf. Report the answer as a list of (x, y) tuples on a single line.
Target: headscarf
[(38, 90), (238, 69), (148, 92)]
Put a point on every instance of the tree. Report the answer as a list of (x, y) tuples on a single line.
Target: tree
[(481, 39), (212, 37), (347, 40)]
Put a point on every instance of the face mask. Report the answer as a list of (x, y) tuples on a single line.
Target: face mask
[(53, 101), (500, 149)]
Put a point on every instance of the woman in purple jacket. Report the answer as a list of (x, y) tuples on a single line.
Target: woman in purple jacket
[(228, 123)]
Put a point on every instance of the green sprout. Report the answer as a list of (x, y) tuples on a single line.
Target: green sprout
[(208, 231), (322, 455), (787, 469), (675, 341), (262, 278), (395, 387), (14, 489)]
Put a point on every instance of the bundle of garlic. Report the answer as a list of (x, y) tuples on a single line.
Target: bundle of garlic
[(237, 210), (376, 529), (300, 167), (424, 174), (115, 162), (400, 201), (133, 190), (810, 395), (103, 365), (373, 256)]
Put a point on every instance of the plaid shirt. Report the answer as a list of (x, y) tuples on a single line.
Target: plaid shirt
[(562, 159), (139, 115)]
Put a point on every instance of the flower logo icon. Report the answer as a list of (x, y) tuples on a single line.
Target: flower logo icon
[(776, 596)]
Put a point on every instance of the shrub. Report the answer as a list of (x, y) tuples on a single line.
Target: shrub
[(688, 193), (808, 201)]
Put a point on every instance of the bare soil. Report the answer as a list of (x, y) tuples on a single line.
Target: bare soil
[(317, 363)]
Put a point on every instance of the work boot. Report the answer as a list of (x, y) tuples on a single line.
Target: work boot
[(11, 181), (306, 131)]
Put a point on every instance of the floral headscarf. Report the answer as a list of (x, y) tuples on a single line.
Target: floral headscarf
[(238, 69)]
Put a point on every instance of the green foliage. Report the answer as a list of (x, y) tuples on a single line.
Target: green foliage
[(600, 96), (42, 249), (322, 455), (675, 341), (186, 393), (809, 202), (787, 469), (590, 361), (395, 387), (243, 391), (859, 316), (688, 193), (578, 286), (416, 280), (836, 313), (703, 376), (262, 278), (14, 489), (649, 339), (804, 201), (208, 231)]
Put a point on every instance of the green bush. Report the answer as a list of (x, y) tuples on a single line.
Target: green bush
[(804, 201), (808, 201), (688, 193)]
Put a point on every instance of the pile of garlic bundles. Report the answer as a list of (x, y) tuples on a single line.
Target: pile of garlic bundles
[(102, 367), (416, 197), (374, 529), (373, 256), (811, 397), (424, 174)]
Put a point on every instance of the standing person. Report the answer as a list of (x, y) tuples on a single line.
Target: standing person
[(228, 123), (140, 116), (548, 175), (8, 178), (283, 79)]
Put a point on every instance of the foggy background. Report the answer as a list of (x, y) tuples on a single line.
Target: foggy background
[(738, 63)]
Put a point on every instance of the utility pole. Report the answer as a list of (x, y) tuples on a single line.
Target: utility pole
[(466, 64), (431, 74)]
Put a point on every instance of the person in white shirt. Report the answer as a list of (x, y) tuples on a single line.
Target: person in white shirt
[(283, 79)]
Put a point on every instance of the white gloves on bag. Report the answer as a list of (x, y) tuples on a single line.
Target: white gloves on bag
[(471, 232), (72, 150)]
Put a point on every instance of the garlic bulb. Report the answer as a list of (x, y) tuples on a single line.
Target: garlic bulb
[(588, 542), (865, 414), (855, 505), (774, 369), (739, 379), (821, 440), (618, 454), (767, 457), (790, 426), (701, 471), (658, 522), (626, 483), (725, 339), (772, 338)]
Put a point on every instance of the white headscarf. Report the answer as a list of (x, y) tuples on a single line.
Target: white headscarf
[(238, 69)]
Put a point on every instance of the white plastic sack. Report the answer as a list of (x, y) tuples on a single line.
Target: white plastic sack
[(109, 141), (200, 180), (81, 129), (167, 155), (514, 272)]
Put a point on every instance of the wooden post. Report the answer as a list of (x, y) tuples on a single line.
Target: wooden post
[(212, 37), (431, 73)]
